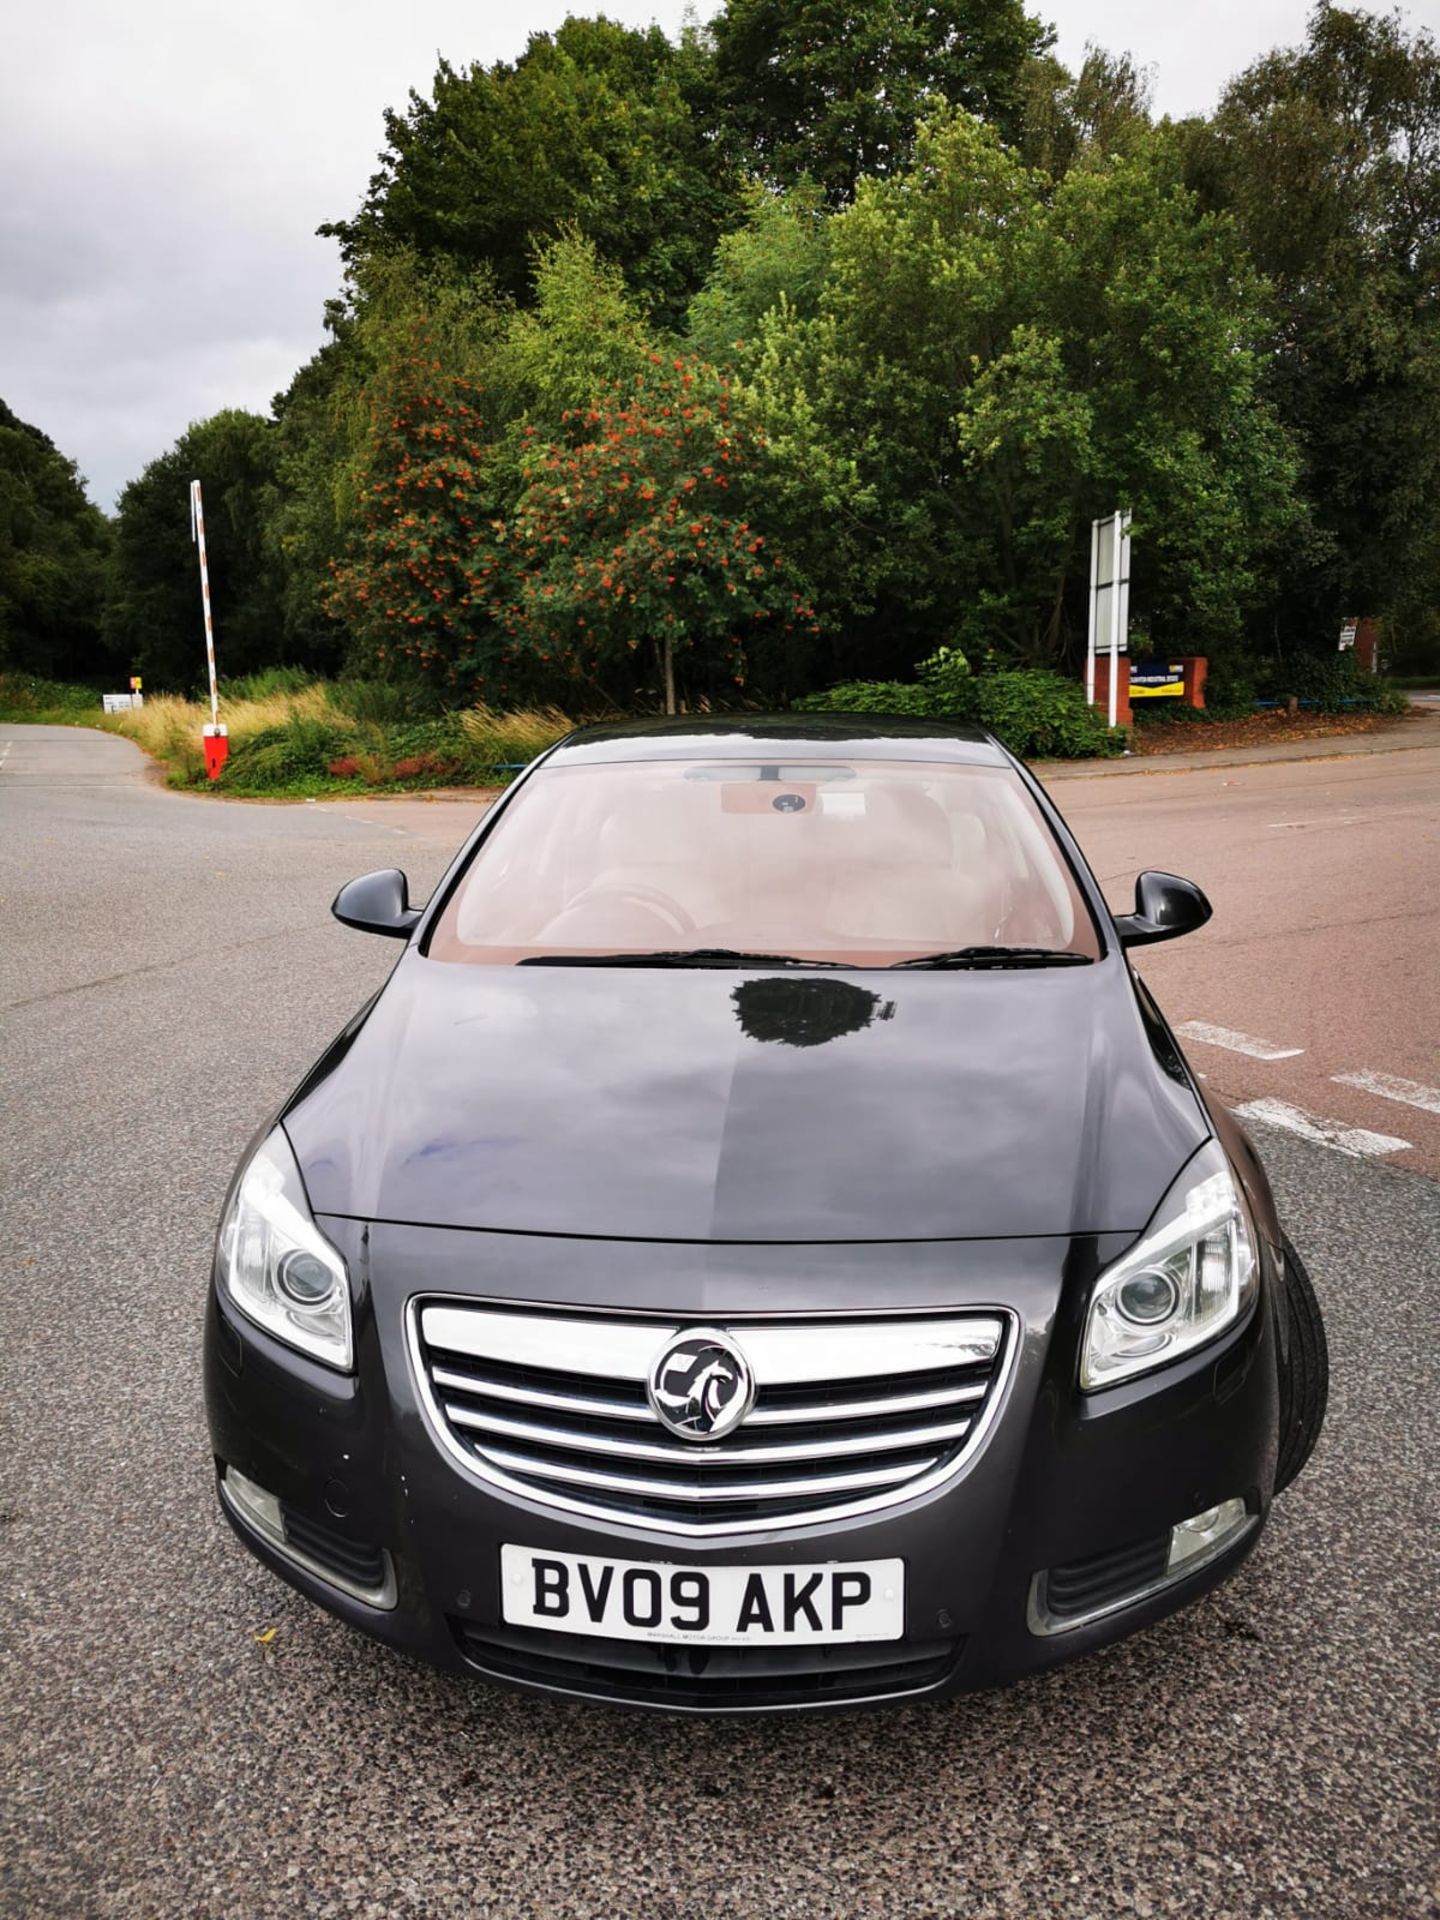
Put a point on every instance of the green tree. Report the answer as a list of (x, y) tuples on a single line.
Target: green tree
[(325, 425), (780, 256), (832, 92), (154, 617), (1069, 120), (414, 585), (1328, 156), (591, 127), (53, 548), (636, 567), (996, 361)]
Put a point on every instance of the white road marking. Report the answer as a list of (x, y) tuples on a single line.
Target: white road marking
[(1390, 1087), (1336, 820), (1235, 1042), (1359, 1142)]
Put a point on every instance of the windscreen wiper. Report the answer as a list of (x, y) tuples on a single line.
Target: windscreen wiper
[(682, 957), (998, 957)]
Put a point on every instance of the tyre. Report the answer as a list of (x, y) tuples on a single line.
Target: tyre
[(1305, 1378)]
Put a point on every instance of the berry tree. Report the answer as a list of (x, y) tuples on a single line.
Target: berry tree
[(415, 586), (630, 540)]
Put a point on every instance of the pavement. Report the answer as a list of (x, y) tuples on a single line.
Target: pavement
[(180, 1735), (1418, 728)]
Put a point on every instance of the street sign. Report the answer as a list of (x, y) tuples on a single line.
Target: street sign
[(135, 683), (1109, 601), (118, 702), (1157, 680), (1347, 635)]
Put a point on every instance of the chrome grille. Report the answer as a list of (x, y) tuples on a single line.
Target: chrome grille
[(849, 1415)]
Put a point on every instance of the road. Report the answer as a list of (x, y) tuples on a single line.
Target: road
[(181, 1735), (1325, 879)]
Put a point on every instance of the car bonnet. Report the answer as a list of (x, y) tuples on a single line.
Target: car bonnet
[(731, 1105)]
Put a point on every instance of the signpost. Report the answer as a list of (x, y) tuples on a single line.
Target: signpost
[(1109, 602), (216, 739)]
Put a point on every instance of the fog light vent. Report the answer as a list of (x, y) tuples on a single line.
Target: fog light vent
[(364, 1572), (1070, 1596)]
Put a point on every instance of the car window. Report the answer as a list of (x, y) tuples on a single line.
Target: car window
[(860, 862)]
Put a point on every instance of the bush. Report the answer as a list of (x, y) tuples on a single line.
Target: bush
[(24, 696), (302, 748), (1231, 688), (1041, 715), (1334, 683), (870, 696), (1036, 713)]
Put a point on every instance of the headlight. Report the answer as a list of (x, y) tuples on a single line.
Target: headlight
[(275, 1263), (1192, 1276)]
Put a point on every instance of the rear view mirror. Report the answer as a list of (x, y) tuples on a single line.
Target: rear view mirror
[(1165, 907), (378, 903)]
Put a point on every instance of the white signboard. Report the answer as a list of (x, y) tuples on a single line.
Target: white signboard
[(120, 702), (1109, 601)]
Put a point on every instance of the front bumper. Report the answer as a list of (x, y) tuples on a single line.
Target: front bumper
[(1084, 1485)]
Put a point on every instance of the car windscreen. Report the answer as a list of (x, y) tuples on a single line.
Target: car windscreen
[(851, 862)]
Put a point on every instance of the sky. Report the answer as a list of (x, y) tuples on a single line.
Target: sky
[(163, 168)]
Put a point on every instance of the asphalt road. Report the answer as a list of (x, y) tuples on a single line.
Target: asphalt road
[(1325, 878), (181, 1735)]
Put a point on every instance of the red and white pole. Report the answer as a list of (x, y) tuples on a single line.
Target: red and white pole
[(216, 738)]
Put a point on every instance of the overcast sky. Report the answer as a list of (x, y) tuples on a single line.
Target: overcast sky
[(163, 168)]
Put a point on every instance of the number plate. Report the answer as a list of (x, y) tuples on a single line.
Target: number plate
[(771, 1606)]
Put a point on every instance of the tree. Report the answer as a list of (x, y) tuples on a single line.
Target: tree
[(832, 90), (994, 362), (53, 548), (1328, 156), (395, 306), (154, 617), (414, 585), (1069, 120), (779, 257), (590, 128), (631, 539)]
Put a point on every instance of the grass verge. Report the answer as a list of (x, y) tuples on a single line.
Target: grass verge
[(291, 738)]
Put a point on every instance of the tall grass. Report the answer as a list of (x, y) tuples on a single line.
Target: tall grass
[(338, 737)]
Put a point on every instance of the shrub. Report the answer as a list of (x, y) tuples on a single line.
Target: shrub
[(869, 696), (1038, 714), (303, 747), (1334, 683), (1231, 688), (1041, 715), (24, 696)]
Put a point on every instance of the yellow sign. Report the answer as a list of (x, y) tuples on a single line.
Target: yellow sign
[(1157, 680), (135, 683)]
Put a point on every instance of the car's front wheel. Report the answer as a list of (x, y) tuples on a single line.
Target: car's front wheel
[(1305, 1379)]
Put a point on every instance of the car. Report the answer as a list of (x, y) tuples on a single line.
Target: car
[(762, 1248)]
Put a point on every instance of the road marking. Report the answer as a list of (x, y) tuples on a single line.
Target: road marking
[(1235, 1042), (1390, 1087), (1337, 820), (1359, 1142)]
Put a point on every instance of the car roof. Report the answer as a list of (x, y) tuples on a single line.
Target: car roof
[(793, 736)]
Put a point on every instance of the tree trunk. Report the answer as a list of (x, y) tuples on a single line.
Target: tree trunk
[(667, 657)]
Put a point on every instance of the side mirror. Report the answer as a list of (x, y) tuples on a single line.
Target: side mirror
[(1165, 907), (377, 903)]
